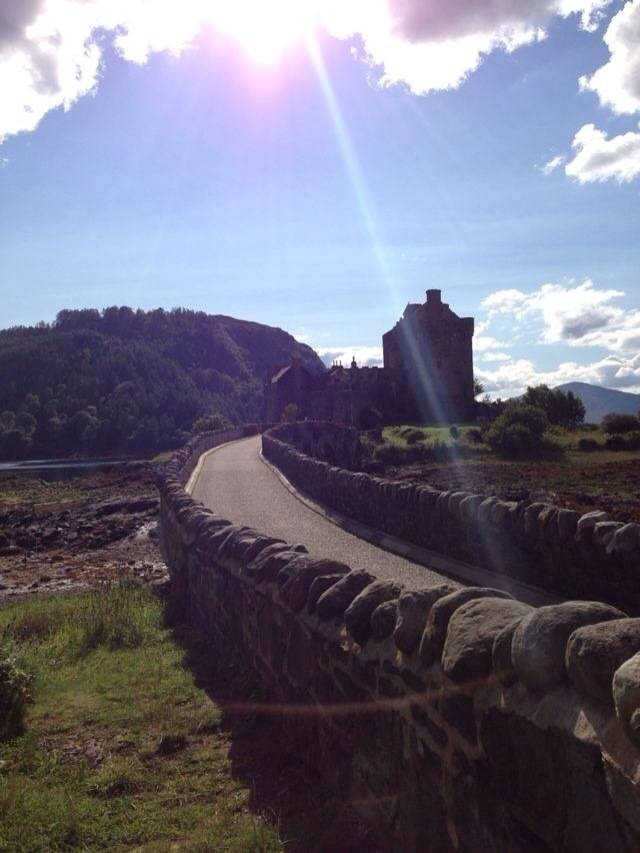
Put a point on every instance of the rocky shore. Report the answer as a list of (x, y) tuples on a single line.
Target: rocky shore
[(97, 526)]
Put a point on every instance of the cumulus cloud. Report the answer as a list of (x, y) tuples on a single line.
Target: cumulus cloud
[(436, 44), (51, 51), (364, 356), (553, 164), (598, 158), (617, 83), (511, 378), (577, 315)]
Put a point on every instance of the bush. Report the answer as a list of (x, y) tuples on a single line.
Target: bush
[(454, 432), (412, 436), (615, 442), (632, 440), (627, 441), (518, 431), (15, 695), (474, 435), (210, 423), (615, 424), (589, 445)]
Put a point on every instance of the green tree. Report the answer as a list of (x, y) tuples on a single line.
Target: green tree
[(210, 423), (561, 408), (519, 430), (26, 422)]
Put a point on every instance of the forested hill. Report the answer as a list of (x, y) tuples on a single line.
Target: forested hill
[(121, 381)]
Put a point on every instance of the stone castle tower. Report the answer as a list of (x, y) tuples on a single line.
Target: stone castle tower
[(427, 376), (430, 354)]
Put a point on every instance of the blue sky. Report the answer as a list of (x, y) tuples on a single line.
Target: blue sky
[(189, 170)]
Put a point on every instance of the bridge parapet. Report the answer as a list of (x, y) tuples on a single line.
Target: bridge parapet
[(452, 719)]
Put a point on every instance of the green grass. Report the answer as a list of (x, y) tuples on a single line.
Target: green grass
[(122, 751), (405, 437)]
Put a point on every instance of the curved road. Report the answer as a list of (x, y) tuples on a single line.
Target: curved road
[(235, 483)]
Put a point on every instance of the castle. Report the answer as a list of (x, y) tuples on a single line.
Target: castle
[(427, 376)]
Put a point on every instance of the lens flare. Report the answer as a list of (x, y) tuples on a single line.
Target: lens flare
[(264, 30)]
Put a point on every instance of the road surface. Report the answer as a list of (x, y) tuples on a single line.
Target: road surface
[(236, 484)]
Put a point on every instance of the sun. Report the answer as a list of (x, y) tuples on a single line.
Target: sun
[(264, 29)]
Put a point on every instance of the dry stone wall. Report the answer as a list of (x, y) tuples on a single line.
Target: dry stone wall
[(547, 546), (452, 719)]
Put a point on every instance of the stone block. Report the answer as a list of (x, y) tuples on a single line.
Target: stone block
[(540, 641), (318, 587), (626, 697), (383, 620), (595, 652), (413, 610), (358, 614), (297, 583), (472, 629), (337, 598), (626, 539), (441, 612), (588, 521), (501, 661)]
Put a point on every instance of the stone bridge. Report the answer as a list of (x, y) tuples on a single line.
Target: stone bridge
[(453, 716)]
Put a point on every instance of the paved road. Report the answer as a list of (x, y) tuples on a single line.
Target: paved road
[(236, 484)]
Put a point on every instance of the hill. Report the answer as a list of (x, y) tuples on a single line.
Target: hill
[(599, 401), (121, 381)]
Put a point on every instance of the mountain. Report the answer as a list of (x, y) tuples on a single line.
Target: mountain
[(599, 401), (125, 381)]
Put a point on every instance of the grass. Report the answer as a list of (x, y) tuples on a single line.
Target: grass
[(122, 750), (406, 437)]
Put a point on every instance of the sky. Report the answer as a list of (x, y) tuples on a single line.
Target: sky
[(318, 165)]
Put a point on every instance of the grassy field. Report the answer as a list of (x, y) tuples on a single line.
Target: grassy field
[(565, 475), (121, 750)]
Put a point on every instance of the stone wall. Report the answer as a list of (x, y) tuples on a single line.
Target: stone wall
[(451, 719), (556, 549)]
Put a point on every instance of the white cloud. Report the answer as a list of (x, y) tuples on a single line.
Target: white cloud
[(51, 51), (598, 158), (577, 315), (495, 356), (617, 83), (436, 44), (364, 356), (553, 164), (511, 378), (483, 343)]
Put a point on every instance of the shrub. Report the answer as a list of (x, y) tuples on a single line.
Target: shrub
[(15, 695), (210, 423), (589, 445), (454, 432), (518, 431), (474, 435), (616, 442), (615, 424), (412, 436), (632, 440)]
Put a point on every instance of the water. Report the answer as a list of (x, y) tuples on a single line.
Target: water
[(59, 469)]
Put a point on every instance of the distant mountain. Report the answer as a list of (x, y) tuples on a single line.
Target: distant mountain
[(599, 401), (125, 381)]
